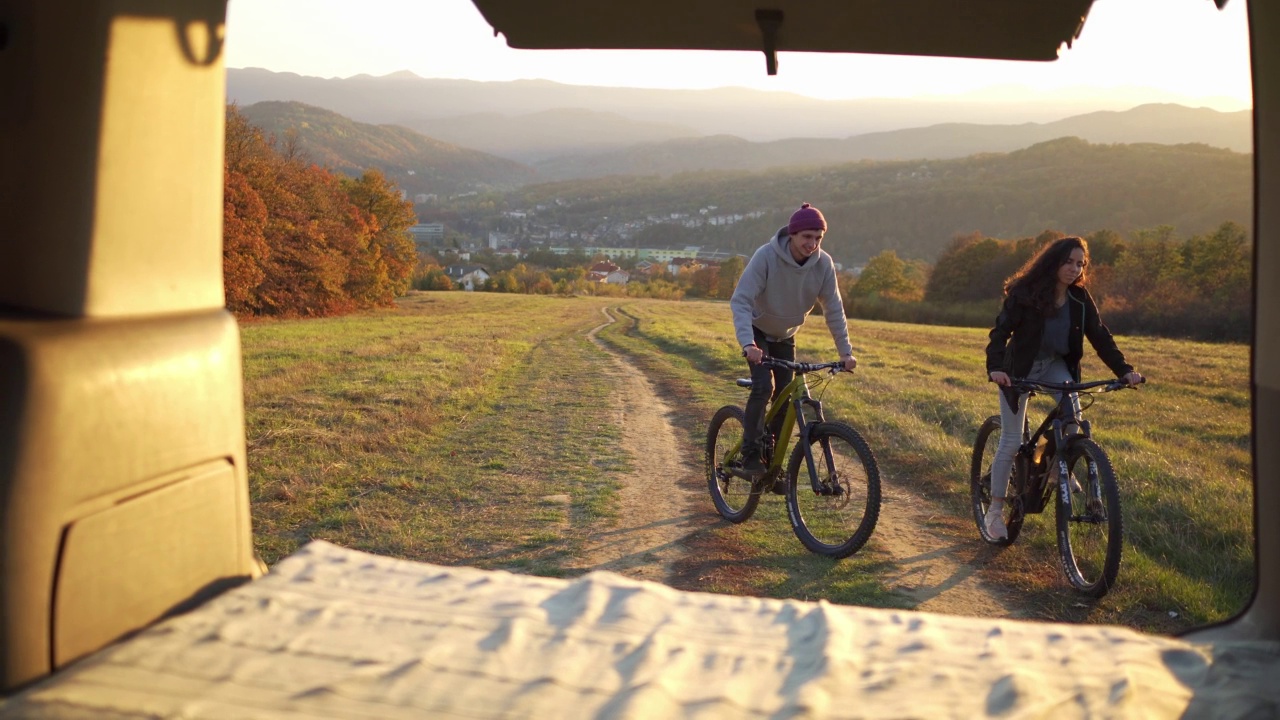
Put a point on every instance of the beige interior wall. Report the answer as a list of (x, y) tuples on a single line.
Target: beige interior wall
[(122, 454)]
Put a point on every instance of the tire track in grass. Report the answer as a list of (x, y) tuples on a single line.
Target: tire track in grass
[(656, 515)]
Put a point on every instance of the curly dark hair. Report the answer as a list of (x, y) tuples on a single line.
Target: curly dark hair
[(1035, 281)]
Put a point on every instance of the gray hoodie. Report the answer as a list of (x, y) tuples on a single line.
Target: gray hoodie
[(775, 294)]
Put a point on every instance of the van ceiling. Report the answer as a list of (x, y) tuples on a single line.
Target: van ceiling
[(994, 29)]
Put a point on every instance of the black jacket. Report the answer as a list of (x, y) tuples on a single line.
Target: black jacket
[(1015, 340)]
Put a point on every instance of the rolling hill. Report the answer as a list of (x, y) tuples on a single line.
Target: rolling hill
[(914, 207), (418, 164)]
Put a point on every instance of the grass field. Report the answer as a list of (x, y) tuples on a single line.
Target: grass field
[(451, 429)]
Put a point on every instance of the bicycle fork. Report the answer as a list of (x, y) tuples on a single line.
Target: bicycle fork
[(821, 486), (1093, 505)]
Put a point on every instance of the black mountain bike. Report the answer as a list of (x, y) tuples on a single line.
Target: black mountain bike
[(835, 511), (1090, 527)]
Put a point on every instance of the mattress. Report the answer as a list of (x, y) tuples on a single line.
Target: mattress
[(336, 633)]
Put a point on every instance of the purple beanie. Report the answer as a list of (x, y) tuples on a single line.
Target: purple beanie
[(807, 217)]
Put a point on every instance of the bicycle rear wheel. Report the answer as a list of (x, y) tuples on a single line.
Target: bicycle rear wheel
[(732, 495), (984, 454), (1090, 528), (839, 520)]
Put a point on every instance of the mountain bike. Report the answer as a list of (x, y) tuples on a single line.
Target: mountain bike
[(832, 514), (1089, 524)]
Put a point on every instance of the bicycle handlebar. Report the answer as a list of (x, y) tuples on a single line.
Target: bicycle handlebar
[(800, 367), (1023, 385)]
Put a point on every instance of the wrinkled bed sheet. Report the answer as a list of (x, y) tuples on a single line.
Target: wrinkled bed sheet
[(335, 633)]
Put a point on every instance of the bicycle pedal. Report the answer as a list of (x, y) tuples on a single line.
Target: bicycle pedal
[(761, 481)]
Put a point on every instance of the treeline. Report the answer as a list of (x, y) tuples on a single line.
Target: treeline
[(301, 241), (1151, 282), (546, 273)]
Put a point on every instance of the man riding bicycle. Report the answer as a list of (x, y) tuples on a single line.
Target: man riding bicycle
[(778, 288)]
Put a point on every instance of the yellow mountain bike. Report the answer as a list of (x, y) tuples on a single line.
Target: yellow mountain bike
[(834, 508)]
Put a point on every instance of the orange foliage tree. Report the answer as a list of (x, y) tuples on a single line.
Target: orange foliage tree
[(301, 241)]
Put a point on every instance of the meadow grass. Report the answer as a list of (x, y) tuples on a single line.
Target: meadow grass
[(467, 428), (456, 429)]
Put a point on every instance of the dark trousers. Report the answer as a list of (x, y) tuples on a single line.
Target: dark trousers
[(766, 384)]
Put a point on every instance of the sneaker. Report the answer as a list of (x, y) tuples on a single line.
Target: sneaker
[(995, 524), (753, 464), (780, 486)]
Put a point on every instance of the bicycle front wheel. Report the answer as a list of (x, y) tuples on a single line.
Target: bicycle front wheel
[(838, 517), (1090, 529), (732, 495)]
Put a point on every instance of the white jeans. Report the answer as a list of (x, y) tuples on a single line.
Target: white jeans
[(1052, 370)]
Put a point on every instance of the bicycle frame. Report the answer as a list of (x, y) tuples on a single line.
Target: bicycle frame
[(791, 402), (1033, 494), (797, 397)]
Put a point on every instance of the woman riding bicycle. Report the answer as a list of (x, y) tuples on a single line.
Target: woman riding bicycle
[(1039, 335)]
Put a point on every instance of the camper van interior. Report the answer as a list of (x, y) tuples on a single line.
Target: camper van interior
[(128, 582)]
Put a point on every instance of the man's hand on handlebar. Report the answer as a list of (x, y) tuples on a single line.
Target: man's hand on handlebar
[(753, 354), (1133, 379), (850, 362)]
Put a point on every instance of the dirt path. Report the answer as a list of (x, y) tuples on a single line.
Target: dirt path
[(657, 514), (935, 564)]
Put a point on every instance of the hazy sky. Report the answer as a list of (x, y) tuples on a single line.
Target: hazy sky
[(1185, 47)]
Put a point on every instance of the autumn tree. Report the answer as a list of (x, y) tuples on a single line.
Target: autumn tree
[(1218, 265), (702, 283), (888, 276), (301, 241), (245, 250), (972, 268), (1105, 247), (433, 277), (730, 272), (244, 246), (378, 198)]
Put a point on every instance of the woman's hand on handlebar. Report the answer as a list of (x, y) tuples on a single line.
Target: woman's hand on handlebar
[(1000, 378), (753, 354), (1133, 379)]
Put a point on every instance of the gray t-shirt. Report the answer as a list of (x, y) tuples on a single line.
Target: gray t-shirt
[(1056, 330)]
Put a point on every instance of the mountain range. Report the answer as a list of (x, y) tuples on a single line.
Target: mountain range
[(425, 165), (1162, 124), (537, 121)]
